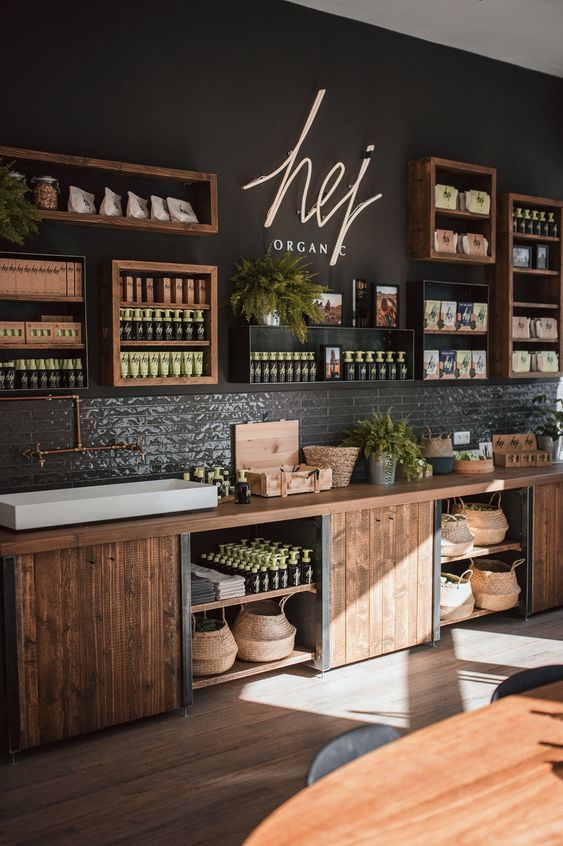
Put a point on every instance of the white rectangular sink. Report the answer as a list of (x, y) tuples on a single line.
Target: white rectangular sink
[(40, 509)]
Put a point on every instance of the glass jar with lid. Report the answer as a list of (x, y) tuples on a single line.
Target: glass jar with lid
[(46, 192)]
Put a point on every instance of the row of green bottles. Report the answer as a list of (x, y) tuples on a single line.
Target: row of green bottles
[(264, 565), (283, 367), (155, 324), (30, 374), (372, 366), (526, 222)]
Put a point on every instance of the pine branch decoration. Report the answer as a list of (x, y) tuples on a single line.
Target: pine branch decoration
[(18, 217)]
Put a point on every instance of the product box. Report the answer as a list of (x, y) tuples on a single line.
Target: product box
[(148, 289), (463, 361), (431, 364), (447, 364), (479, 358), (189, 291), (67, 333), (476, 202), (78, 279), (445, 197), (520, 327), (177, 288), (57, 282), (431, 315), (163, 290), (138, 289), (39, 332), (448, 314), (56, 318), (201, 291), (128, 289), (544, 327), (480, 316), (445, 241), (12, 332), (547, 361), (7, 276), (71, 279), (464, 317), (521, 361)]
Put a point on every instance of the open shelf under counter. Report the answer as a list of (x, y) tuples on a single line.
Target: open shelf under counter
[(482, 551), (242, 669), (480, 612), (253, 597)]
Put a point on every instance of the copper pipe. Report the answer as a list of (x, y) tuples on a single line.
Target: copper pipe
[(40, 454)]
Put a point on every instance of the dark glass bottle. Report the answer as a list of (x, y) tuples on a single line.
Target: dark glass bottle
[(158, 326), (138, 333), (371, 366), (349, 366), (381, 366), (281, 367), (10, 375), (177, 327), (274, 574), (264, 580), (42, 374), (273, 357), (284, 575), (32, 375), (21, 374), (265, 367), (242, 489), (289, 370), (294, 573), (2, 377), (148, 324), (402, 365), (188, 326), (296, 367), (361, 367), (127, 325), (78, 373), (167, 328), (391, 365), (199, 326), (307, 571)]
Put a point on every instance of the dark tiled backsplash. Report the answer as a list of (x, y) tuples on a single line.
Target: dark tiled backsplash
[(180, 431)]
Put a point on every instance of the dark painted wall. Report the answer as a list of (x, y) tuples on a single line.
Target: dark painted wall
[(226, 87)]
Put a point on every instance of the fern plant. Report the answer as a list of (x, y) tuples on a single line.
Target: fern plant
[(281, 286), (18, 217), (380, 435)]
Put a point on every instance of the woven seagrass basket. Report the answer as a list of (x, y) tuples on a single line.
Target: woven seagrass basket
[(341, 460), (494, 584), (486, 520), (213, 652), (456, 598), (263, 632), (457, 538)]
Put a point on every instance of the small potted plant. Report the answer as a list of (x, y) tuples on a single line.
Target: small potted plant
[(386, 443), (276, 291), (550, 426), (18, 217)]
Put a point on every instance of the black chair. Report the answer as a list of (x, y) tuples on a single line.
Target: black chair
[(528, 679), (347, 747)]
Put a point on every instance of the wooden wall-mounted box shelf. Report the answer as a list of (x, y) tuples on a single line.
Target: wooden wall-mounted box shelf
[(94, 174), (114, 299), (424, 218), (525, 292)]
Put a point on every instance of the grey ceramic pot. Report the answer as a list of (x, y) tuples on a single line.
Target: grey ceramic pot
[(554, 446), (381, 471)]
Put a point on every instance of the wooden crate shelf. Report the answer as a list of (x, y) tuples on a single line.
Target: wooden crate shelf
[(242, 669), (197, 187), (512, 286), (253, 597), (423, 175), (112, 290)]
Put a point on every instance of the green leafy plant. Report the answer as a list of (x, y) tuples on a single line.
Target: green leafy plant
[(282, 286), (381, 435), (18, 217), (550, 416)]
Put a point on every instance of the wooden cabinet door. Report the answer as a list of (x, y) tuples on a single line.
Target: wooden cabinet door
[(547, 561), (381, 581), (99, 636)]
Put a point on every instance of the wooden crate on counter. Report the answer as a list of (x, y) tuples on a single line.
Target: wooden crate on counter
[(519, 451)]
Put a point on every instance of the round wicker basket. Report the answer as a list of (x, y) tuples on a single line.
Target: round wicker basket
[(494, 584), (213, 652), (486, 520), (457, 538), (456, 598), (263, 632), (340, 459)]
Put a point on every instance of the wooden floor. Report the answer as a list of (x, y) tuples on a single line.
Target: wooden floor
[(245, 747)]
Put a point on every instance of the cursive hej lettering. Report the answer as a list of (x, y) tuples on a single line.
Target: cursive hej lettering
[(291, 169)]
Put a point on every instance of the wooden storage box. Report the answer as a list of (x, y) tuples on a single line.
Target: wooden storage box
[(67, 333), (39, 332), (12, 332), (269, 453), (519, 450)]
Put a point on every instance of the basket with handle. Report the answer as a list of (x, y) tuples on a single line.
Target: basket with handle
[(456, 597), (457, 538), (263, 632), (494, 584), (341, 460), (436, 446), (486, 520), (213, 652)]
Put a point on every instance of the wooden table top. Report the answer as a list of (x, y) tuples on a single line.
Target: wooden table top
[(491, 776)]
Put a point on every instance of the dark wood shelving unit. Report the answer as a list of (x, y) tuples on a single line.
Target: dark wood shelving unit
[(253, 597), (25, 306), (113, 301), (245, 340), (445, 339), (524, 292), (423, 176), (200, 189)]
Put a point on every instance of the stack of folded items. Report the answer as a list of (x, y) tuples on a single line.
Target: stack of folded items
[(202, 591), (225, 587)]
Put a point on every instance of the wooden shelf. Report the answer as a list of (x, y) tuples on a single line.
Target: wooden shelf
[(253, 597), (521, 304), (164, 343), (481, 551), (204, 186), (164, 381), (171, 306), (481, 612), (36, 298), (535, 374), (242, 669), (458, 257), (535, 340), (464, 215), (457, 332), (532, 271), (31, 347), (518, 236)]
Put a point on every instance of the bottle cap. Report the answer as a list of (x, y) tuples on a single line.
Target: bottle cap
[(241, 477)]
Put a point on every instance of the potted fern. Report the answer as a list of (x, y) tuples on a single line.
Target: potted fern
[(280, 291), (18, 217), (550, 427), (386, 443)]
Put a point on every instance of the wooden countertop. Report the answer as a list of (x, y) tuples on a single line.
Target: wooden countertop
[(491, 776), (274, 509)]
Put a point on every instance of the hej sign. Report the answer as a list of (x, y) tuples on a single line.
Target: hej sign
[(320, 209)]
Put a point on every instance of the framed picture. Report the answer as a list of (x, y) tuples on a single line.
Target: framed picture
[(332, 363), (387, 306), (331, 305), (363, 304), (521, 256), (542, 257)]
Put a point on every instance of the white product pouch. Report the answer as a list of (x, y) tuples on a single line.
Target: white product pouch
[(111, 204), (136, 206), (159, 209), (181, 210), (80, 201)]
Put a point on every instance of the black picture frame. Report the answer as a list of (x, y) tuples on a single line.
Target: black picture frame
[(542, 257), (522, 257), (331, 362)]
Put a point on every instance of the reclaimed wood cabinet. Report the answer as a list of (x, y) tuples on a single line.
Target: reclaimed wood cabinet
[(96, 637), (547, 566), (381, 581)]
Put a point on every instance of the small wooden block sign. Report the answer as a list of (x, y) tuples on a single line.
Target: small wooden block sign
[(269, 452)]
